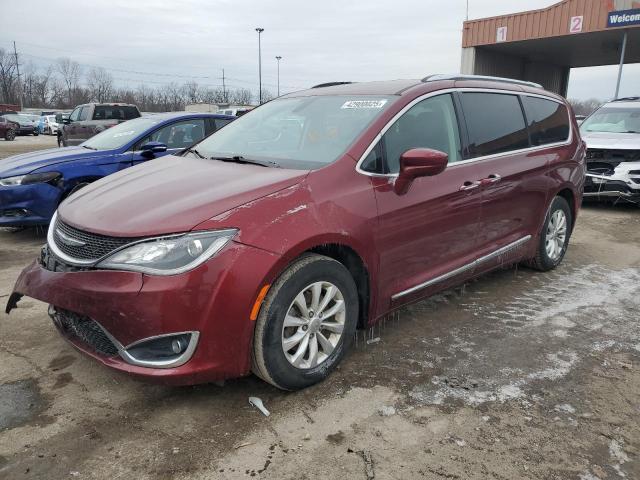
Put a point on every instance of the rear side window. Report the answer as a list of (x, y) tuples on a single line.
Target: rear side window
[(220, 122), (548, 121), (104, 112), (494, 122)]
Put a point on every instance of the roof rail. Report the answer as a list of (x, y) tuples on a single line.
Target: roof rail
[(626, 99), (330, 84), (434, 78)]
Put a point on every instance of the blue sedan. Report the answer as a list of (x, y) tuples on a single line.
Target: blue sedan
[(32, 185)]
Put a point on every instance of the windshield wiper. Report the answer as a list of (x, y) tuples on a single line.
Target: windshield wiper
[(252, 161), (90, 148), (195, 152)]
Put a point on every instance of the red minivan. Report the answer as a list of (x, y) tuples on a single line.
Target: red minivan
[(265, 246)]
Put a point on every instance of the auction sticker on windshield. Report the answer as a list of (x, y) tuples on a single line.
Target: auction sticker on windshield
[(364, 104), (124, 134)]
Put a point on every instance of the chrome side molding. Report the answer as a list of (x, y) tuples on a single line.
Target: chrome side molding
[(469, 266)]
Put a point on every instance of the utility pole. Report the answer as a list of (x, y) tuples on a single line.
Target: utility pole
[(278, 58), (15, 52), (259, 30), (224, 88)]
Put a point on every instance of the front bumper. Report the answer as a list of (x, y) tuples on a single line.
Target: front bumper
[(215, 300), (622, 182), (24, 205)]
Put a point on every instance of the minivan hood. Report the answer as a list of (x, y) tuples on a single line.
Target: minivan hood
[(616, 141), (28, 162), (170, 195)]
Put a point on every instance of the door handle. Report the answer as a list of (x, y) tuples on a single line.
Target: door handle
[(466, 186), (493, 178)]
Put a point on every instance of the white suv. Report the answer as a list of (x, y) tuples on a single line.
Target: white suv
[(612, 134)]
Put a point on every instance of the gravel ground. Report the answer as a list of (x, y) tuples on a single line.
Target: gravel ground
[(517, 375)]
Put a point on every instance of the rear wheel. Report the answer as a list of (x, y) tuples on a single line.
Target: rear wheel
[(554, 237), (306, 323), (10, 135)]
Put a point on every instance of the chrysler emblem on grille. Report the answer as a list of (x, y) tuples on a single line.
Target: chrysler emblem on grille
[(67, 240)]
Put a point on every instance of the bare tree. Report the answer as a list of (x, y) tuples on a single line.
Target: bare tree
[(191, 92), (8, 77), (585, 107), (100, 83), (70, 72), (267, 95), (241, 96)]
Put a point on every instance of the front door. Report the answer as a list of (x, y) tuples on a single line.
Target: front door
[(427, 236)]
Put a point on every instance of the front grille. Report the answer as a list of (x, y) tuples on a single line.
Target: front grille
[(93, 246), (85, 330), (612, 155)]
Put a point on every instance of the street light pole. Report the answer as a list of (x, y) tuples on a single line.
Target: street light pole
[(260, 30), (624, 48), (278, 58)]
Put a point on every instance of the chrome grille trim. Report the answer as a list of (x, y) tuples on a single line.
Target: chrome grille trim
[(94, 248)]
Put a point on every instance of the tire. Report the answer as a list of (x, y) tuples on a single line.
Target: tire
[(269, 360), (548, 259), (35, 133), (10, 135)]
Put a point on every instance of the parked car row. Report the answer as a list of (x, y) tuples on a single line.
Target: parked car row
[(32, 185), (265, 245), (25, 124)]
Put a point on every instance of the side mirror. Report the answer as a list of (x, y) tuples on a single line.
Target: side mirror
[(419, 162), (66, 121), (151, 148)]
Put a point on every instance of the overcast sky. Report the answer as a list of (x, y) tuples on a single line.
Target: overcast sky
[(159, 41)]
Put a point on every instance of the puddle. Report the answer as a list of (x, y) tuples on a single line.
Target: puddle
[(19, 402)]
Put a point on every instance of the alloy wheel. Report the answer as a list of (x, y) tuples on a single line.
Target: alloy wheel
[(313, 325), (556, 235)]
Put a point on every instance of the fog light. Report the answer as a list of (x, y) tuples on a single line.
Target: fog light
[(177, 346), (164, 351)]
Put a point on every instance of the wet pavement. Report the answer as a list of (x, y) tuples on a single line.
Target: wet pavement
[(518, 374)]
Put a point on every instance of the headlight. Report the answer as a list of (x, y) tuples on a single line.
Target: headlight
[(45, 177), (169, 255)]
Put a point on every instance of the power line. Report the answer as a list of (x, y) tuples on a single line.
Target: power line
[(148, 73)]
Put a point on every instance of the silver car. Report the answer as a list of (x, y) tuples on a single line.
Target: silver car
[(612, 134)]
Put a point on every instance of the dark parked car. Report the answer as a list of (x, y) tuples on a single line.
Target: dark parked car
[(85, 121), (267, 244), (26, 123), (8, 129), (32, 185)]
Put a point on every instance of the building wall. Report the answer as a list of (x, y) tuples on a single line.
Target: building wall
[(479, 61), (547, 22)]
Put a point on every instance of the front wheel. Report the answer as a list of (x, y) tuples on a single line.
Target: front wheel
[(306, 323), (554, 237), (10, 135)]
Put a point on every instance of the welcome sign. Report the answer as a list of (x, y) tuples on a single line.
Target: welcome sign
[(623, 18)]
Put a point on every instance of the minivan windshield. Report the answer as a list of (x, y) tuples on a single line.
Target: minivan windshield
[(299, 132), (120, 135), (613, 120)]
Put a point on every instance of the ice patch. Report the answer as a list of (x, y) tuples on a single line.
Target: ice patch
[(565, 407)]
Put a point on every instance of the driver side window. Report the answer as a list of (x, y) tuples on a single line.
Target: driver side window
[(75, 114), (430, 123), (177, 135)]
